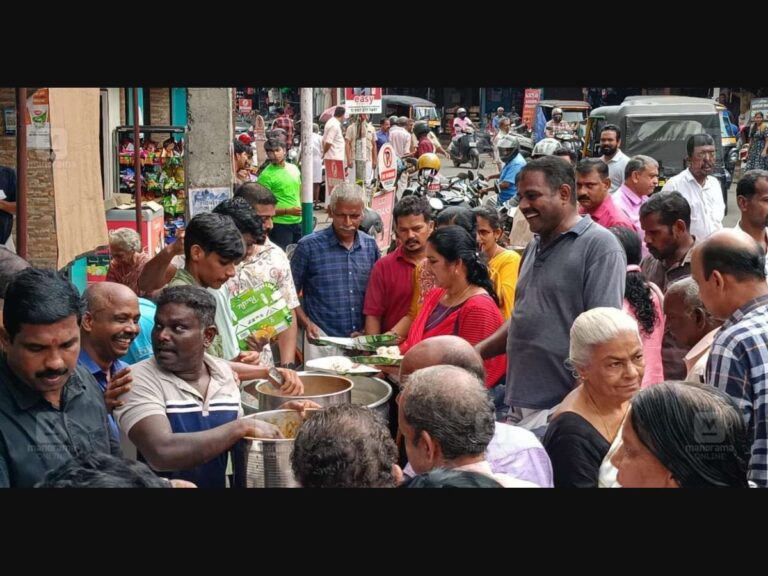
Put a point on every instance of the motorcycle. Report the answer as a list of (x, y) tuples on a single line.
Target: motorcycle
[(465, 150), (571, 142)]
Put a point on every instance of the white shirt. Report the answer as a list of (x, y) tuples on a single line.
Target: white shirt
[(707, 206), (332, 133), (616, 167)]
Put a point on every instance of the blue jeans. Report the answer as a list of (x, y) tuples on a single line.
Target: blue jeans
[(497, 394), (285, 234)]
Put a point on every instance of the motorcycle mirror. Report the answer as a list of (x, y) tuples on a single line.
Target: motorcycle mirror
[(471, 175), (436, 204)]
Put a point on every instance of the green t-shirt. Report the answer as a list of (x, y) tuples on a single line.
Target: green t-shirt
[(285, 183)]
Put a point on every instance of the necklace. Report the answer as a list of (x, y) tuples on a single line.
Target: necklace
[(458, 298), (608, 435)]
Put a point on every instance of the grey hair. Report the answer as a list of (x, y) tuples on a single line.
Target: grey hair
[(453, 406), (348, 193), (126, 238), (639, 163), (595, 327), (691, 296)]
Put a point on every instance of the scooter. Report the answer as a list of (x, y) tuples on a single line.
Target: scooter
[(465, 150)]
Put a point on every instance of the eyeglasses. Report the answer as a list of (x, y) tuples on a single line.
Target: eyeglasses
[(704, 154)]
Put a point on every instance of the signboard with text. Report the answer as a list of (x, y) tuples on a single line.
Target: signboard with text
[(383, 204), (530, 100), (387, 166), (334, 174), (362, 100)]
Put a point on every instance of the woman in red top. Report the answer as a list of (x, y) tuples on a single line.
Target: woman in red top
[(463, 303)]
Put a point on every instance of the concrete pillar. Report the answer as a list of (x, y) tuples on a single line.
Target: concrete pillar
[(209, 139)]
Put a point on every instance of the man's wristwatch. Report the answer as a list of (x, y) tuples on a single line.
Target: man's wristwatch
[(289, 365)]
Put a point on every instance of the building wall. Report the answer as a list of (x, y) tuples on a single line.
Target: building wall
[(210, 136), (160, 106)]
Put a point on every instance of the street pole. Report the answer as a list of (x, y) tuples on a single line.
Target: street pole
[(359, 152), (307, 212)]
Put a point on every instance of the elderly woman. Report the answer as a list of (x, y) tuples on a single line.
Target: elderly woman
[(127, 258), (463, 302), (607, 355), (504, 264), (682, 435)]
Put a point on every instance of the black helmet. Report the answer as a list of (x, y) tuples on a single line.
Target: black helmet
[(420, 128)]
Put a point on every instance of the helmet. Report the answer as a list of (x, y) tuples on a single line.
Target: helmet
[(508, 146), (545, 147), (557, 111), (429, 160), (420, 128), (460, 110)]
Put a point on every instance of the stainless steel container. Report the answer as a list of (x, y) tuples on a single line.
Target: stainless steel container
[(324, 389), (266, 463), (373, 393)]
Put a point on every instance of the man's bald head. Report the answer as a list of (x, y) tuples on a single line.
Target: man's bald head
[(731, 252), (442, 350), (103, 295)]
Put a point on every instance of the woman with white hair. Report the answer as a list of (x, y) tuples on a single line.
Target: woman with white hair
[(127, 258), (606, 354)]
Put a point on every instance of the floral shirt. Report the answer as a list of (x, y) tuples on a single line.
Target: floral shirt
[(268, 264)]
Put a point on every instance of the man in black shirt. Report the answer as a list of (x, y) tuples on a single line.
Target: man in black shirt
[(50, 410)]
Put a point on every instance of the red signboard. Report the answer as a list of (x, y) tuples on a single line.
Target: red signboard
[(531, 99), (245, 104), (363, 100), (334, 174)]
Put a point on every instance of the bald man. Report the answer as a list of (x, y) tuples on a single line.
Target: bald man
[(439, 395), (729, 268), (110, 323), (512, 450), (691, 325)]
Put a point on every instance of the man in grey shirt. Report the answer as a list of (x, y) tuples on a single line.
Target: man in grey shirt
[(572, 265)]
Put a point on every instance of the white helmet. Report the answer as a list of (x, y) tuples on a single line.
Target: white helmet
[(545, 147), (460, 110)]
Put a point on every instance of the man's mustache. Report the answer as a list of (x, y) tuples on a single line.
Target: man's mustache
[(51, 373)]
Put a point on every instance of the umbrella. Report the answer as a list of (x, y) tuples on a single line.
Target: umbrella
[(328, 114)]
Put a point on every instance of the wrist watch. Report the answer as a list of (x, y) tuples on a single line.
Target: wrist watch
[(289, 365)]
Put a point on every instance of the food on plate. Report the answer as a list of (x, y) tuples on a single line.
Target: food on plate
[(341, 364), (388, 351)]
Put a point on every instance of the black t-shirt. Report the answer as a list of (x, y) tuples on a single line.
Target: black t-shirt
[(8, 186), (576, 450)]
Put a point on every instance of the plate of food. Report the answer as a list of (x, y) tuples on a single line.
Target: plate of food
[(366, 343), (385, 356), (340, 365)]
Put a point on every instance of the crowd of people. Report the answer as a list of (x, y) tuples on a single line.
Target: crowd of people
[(624, 345)]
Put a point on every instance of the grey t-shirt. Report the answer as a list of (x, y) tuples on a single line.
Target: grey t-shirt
[(583, 268)]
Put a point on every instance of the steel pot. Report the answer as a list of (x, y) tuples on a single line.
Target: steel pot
[(266, 463), (373, 393), (324, 389)]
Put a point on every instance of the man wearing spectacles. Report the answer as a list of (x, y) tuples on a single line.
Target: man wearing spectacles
[(700, 188)]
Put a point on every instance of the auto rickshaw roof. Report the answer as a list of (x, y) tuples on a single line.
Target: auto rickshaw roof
[(565, 104), (406, 100), (658, 105)]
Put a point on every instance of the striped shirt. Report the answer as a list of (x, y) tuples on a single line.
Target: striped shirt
[(738, 365), (333, 279), (157, 392)]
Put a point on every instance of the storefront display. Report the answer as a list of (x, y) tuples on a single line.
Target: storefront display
[(163, 171)]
